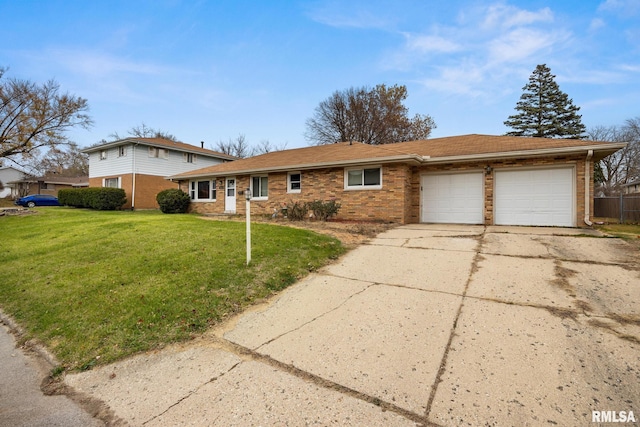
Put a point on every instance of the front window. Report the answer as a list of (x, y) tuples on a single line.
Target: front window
[(361, 178), (103, 155), (122, 151), (203, 190), (189, 157), (160, 153), (111, 182), (259, 187), (294, 182)]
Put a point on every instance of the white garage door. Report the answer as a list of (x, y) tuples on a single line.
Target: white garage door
[(454, 198), (535, 197)]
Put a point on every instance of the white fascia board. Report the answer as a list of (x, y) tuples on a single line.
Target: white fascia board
[(405, 158), (542, 152)]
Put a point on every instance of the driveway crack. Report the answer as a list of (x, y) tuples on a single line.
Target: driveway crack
[(443, 363)]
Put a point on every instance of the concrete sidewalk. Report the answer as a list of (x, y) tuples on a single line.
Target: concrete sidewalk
[(425, 325)]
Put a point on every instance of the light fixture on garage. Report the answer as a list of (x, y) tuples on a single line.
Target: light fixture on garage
[(487, 170)]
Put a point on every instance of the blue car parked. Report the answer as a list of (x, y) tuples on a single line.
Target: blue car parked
[(37, 200)]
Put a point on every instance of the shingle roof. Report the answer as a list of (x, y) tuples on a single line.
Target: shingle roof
[(55, 179), (160, 142), (450, 149)]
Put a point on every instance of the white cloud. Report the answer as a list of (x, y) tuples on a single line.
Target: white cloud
[(423, 43), (505, 16), (347, 15), (596, 24), (99, 64), (522, 43), (625, 7)]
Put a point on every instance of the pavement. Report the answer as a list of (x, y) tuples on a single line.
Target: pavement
[(22, 402), (434, 325)]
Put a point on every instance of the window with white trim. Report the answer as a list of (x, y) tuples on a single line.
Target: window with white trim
[(203, 190), (103, 154), (111, 182), (160, 153), (363, 178), (122, 151), (294, 182), (189, 157), (260, 187)]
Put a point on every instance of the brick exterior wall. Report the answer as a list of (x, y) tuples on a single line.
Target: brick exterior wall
[(399, 199), (386, 204), (575, 161), (147, 187)]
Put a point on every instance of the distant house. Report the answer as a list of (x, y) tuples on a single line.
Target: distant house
[(9, 174), (139, 165), (632, 187), (473, 179), (48, 184)]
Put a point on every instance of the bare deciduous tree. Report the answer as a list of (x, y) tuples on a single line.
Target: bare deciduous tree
[(144, 131), (63, 162), (240, 148), (623, 166), (372, 116), (36, 116)]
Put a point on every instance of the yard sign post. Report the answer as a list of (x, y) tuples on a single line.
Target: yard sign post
[(247, 196)]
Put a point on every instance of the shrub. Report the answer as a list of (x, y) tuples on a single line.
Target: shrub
[(173, 200), (103, 199), (297, 211), (324, 210)]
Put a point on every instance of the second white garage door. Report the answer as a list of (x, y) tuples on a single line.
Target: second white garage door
[(453, 198), (535, 197)]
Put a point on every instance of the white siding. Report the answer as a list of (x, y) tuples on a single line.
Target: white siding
[(144, 164)]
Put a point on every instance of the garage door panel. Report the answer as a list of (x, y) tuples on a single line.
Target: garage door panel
[(453, 198), (543, 197)]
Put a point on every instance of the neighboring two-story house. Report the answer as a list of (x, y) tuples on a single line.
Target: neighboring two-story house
[(140, 165)]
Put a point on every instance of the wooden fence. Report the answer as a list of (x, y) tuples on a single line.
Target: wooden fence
[(625, 208)]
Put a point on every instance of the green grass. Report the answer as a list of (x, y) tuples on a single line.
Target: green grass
[(98, 286), (621, 230)]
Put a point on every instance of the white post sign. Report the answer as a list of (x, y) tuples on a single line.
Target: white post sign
[(247, 196)]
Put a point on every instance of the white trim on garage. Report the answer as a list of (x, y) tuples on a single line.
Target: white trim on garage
[(543, 196), (455, 197)]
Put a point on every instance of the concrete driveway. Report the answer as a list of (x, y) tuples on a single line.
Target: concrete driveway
[(424, 325)]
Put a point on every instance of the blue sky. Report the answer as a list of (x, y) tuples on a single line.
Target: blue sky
[(211, 70)]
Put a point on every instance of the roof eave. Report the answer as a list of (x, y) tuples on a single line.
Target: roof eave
[(141, 142), (603, 149), (411, 158)]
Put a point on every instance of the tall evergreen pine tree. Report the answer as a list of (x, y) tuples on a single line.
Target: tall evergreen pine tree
[(545, 111)]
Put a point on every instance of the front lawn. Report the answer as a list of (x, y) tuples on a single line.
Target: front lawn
[(629, 231), (97, 286)]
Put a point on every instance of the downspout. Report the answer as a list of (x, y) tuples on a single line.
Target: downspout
[(587, 187), (133, 179)]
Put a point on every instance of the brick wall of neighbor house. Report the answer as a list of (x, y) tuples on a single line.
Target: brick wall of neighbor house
[(387, 204), (147, 187), (577, 161)]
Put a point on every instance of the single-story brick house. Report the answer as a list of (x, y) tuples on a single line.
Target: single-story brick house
[(474, 179), (48, 184)]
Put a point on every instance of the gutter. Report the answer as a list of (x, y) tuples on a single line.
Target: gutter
[(133, 180), (526, 153), (404, 158), (587, 187)]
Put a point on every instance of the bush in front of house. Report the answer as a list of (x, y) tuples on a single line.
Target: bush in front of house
[(99, 198), (297, 211), (173, 200)]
